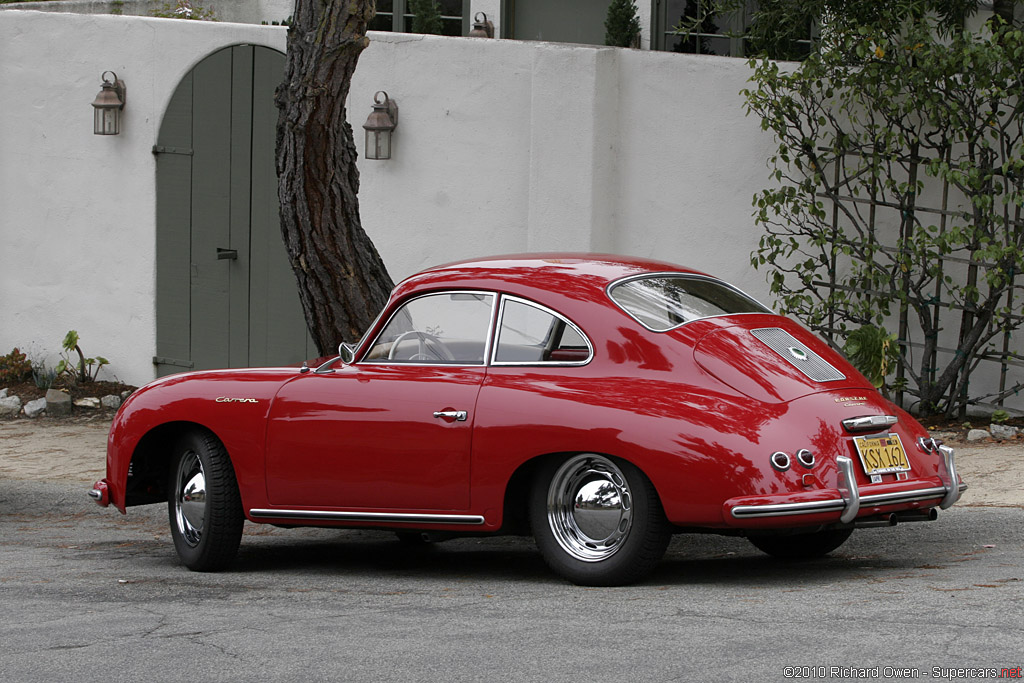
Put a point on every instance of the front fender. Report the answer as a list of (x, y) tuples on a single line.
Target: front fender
[(232, 404)]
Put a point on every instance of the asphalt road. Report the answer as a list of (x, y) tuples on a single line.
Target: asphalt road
[(87, 594)]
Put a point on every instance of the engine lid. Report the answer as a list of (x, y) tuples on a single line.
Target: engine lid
[(773, 359)]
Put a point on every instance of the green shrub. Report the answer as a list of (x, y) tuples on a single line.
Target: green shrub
[(874, 352), (622, 27), (426, 17)]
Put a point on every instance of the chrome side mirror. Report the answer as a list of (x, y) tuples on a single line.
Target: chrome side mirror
[(347, 352)]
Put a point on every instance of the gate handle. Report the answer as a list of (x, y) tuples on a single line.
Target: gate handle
[(228, 254)]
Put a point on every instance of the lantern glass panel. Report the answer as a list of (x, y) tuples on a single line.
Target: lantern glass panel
[(106, 121), (378, 144)]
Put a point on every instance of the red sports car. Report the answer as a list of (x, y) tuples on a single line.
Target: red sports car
[(600, 403)]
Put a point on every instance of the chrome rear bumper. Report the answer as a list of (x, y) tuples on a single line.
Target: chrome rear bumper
[(850, 500)]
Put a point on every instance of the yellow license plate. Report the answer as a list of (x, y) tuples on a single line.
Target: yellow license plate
[(882, 454)]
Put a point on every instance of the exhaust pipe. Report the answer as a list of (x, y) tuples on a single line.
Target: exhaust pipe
[(873, 522), (929, 515)]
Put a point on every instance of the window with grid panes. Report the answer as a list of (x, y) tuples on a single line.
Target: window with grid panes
[(716, 33), (394, 15)]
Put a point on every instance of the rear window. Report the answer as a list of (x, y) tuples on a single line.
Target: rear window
[(661, 302)]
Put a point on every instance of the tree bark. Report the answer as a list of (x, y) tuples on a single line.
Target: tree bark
[(342, 280)]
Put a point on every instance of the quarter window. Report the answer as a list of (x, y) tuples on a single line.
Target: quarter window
[(449, 328), (529, 334)]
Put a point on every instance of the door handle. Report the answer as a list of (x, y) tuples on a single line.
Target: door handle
[(227, 254), (457, 415)]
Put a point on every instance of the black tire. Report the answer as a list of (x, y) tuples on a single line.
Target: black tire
[(801, 546), (615, 538), (203, 503)]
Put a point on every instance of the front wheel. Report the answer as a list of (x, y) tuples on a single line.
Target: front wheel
[(597, 520), (203, 503), (801, 546)]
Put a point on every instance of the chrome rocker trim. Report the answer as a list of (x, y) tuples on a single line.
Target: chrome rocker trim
[(851, 501), (391, 517)]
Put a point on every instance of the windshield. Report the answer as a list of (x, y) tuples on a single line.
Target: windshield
[(661, 302)]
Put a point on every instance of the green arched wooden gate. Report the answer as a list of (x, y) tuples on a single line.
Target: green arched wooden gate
[(226, 295)]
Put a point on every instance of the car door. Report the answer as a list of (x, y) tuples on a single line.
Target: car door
[(394, 430)]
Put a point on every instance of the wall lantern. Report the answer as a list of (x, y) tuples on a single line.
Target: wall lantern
[(108, 105), (482, 28), (379, 125)]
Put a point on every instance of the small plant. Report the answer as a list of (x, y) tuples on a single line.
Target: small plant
[(43, 376), (873, 351), (117, 7), (184, 9), (283, 22), (621, 25), (1000, 416), (14, 368), (86, 369)]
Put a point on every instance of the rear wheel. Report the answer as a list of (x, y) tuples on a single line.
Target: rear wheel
[(801, 546), (597, 520), (203, 503)]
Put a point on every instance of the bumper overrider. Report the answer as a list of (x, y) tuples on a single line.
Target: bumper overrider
[(821, 506), (100, 493)]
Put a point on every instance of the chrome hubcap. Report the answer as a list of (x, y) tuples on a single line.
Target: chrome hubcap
[(589, 507), (190, 498)]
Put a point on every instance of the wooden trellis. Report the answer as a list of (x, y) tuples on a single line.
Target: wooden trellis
[(1001, 348)]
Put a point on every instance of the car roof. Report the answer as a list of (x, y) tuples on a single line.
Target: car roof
[(580, 276)]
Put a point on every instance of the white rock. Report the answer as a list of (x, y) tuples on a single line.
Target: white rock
[(91, 403), (35, 408), (978, 435), (10, 405), (1003, 431), (3, 393), (111, 401)]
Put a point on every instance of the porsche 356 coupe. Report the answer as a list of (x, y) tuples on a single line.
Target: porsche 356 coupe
[(599, 403)]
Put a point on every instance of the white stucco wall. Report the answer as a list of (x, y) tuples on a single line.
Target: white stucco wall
[(522, 146), (241, 11), (77, 210), (502, 146)]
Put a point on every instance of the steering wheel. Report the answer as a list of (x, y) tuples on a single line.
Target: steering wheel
[(427, 343)]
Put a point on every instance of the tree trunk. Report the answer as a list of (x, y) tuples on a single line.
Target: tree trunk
[(342, 280)]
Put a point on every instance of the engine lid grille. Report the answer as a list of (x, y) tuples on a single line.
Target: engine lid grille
[(798, 355)]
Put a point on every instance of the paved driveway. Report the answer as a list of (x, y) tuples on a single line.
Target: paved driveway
[(88, 594)]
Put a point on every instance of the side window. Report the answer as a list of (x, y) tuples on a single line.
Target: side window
[(448, 328), (529, 333)]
